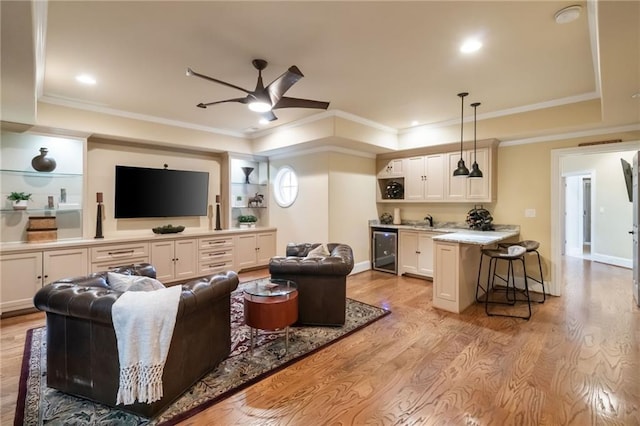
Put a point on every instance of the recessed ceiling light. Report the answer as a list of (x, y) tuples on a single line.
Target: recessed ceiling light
[(86, 79), (568, 14), (470, 45)]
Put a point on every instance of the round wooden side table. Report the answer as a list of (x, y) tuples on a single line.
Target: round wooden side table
[(272, 305)]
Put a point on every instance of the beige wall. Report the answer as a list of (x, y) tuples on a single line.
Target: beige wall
[(335, 200), (352, 194), (307, 219), (104, 155)]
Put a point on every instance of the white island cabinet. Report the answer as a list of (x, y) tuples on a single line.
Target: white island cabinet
[(456, 263)]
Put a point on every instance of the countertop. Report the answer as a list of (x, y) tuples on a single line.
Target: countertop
[(146, 235), (457, 232)]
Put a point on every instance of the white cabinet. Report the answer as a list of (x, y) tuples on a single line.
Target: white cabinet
[(24, 274), (392, 168), (425, 178), (456, 186), (455, 275), (254, 249), (215, 254), (175, 259), (416, 253), (464, 188), (479, 189)]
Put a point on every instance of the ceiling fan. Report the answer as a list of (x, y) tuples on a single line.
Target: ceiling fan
[(265, 99)]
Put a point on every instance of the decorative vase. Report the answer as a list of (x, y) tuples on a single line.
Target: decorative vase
[(247, 171), (42, 163)]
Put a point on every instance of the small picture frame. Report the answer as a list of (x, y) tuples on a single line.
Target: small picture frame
[(239, 201)]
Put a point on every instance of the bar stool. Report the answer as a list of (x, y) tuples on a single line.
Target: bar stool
[(510, 254), (532, 247)]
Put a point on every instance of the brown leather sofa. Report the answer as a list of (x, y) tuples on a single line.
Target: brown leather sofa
[(321, 281), (82, 351)]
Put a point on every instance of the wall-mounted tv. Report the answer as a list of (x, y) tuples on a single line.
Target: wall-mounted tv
[(628, 178), (144, 192)]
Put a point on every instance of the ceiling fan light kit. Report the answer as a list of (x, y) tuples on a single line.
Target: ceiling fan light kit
[(265, 99)]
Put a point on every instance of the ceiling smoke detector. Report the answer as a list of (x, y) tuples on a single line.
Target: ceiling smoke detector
[(568, 14)]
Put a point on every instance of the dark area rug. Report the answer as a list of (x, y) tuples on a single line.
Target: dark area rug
[(37, 404)]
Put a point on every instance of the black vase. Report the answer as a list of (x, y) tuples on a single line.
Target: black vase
[(42, 163)]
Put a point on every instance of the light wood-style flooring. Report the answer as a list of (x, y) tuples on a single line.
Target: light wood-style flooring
[(576, 362)]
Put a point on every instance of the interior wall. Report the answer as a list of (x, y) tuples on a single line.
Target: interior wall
[(352, 195), (102, 157), (612, 218), (307, 219)]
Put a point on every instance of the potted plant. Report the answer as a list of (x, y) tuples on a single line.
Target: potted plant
[(19, 200), (247, 221)]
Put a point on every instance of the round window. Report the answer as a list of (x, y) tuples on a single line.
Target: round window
[(285, 186)]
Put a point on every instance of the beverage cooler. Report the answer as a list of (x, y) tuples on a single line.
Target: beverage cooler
[(384, 249)]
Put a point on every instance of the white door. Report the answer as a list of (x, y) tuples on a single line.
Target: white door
[(636, 251)]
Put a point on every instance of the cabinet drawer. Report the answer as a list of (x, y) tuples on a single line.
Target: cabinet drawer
[(220, 254), (216, 242), (118, 252), (107, 266), (214, 266)]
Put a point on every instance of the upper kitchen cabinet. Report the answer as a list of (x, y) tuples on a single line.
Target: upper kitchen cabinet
[(392, 168), (425, 178), (466, 189)]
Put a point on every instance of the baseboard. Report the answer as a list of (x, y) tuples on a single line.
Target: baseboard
[(361, 267), (612, 260)]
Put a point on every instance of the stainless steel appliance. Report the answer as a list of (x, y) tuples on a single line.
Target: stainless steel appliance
[(384, 249)]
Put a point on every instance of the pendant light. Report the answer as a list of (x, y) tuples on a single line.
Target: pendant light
[(475, 169), (462, 169)]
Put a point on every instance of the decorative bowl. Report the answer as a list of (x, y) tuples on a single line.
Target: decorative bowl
[(168, 229)]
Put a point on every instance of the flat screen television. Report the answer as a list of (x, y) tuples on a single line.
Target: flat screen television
[(628, 178), (144, 192)]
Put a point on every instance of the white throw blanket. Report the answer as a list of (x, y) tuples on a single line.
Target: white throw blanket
[(144, 322)]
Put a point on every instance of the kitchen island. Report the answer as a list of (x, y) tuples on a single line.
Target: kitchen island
[(454, 259)]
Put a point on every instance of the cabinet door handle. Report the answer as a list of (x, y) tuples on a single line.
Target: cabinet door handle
[(39, 277), (216, 265), (218, 253)]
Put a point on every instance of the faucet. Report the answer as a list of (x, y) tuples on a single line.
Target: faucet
[(429, 219)]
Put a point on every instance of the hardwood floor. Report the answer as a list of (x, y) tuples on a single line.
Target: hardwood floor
[(576, 362)]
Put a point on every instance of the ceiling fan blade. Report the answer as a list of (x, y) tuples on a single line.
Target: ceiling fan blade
[(241, 100), (286, 102), (215, 80), (277, 88), (269, 116)]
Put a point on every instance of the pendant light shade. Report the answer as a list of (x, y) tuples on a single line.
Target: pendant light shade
[(475, 169), (462, 169)]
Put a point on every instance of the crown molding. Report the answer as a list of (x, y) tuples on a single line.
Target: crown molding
[(571, 135), (316, 150), (54, 100)]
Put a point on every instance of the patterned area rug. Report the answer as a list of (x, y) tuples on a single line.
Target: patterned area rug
[(37, 404)]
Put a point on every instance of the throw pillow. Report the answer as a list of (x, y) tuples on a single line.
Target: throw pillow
[(320, 251), (122, 282)]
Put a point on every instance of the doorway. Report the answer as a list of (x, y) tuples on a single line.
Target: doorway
[(578, 214), (558, 221)]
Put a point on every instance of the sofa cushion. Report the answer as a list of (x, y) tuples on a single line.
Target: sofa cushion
[(320, 251), (122, 282)]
